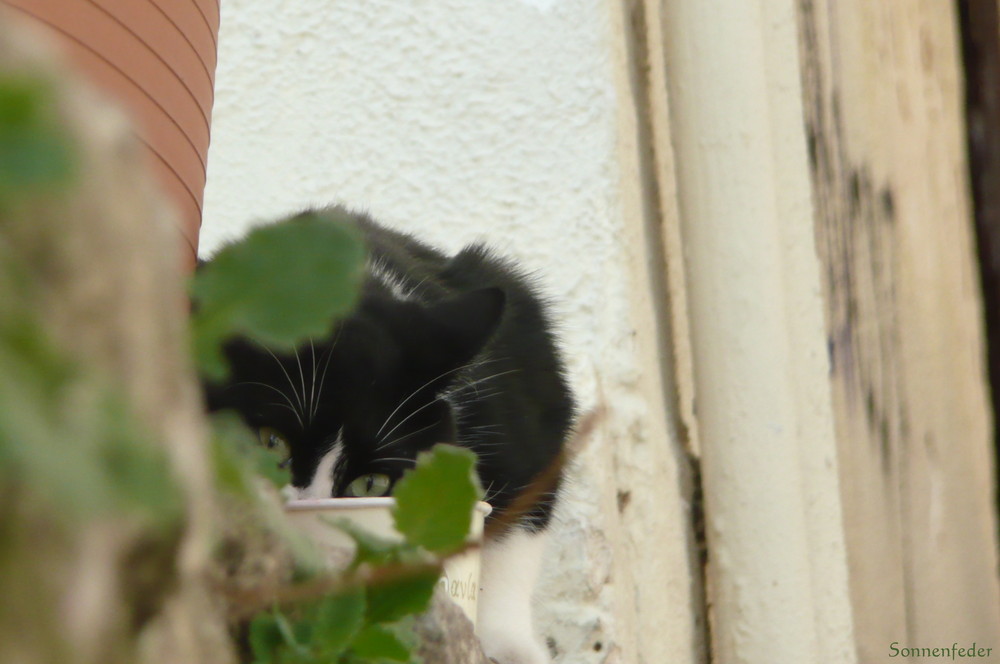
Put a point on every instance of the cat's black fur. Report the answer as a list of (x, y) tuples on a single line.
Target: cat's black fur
[(438, 349)]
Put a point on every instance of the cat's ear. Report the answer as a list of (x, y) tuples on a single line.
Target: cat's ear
[(462, 325)]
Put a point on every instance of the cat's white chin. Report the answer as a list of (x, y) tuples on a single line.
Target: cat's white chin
[(510, 567)]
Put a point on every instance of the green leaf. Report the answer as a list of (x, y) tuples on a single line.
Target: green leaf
[(231, 473), (337, 620), (379, 643), (409, 594), (434, 501), (35, 150), (320, 631), (265, 638), (290, 640), (63, 429), (267, 463), (370, 548), (273, 639), (280, 285), (236, 452)]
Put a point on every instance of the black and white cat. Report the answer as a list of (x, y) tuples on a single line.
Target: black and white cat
[(438, 349)]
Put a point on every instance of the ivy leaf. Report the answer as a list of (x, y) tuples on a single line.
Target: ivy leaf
[(407, 595), (434, 501), (280, 285), (379, 643), (337, 620)]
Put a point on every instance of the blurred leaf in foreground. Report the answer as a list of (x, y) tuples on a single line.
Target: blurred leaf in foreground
[(280, 285), (319, 631), (66, 431), (236, 454), (35, 151)]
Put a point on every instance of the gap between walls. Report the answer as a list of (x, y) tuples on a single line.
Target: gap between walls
[(979, 24)]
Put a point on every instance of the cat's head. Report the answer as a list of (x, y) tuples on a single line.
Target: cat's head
[(350, 412)]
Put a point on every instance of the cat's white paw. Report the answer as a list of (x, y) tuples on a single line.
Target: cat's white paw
[(510, 566), (503, 649)]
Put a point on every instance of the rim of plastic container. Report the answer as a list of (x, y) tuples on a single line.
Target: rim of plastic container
[(357, 503)]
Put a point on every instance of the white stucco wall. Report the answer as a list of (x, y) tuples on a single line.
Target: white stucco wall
[(460, 121)]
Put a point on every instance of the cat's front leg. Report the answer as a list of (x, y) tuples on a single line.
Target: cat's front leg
[(510, 566)]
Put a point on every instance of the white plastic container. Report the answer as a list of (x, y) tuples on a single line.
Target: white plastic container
[(313, 517)]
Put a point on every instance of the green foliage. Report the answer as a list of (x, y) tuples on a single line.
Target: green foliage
[(409, 594), (320, 631), (35, 153), (280, 285), (434, 502), (238, 457), (63, 430), (380, 643)]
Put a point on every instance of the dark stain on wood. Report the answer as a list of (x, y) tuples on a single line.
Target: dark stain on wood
[(856, 211), (888, 205), (854, 195)]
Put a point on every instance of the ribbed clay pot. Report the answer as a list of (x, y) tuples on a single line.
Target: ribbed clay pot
[(157, 57)]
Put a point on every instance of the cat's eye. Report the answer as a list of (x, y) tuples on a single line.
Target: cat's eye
[(369, 486), (274, 440)]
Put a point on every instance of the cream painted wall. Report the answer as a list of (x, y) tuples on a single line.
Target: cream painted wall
[(508, 122)]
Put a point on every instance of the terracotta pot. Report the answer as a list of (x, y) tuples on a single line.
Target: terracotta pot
[(158, 58)]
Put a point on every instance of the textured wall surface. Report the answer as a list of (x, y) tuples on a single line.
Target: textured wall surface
[(459, 123)]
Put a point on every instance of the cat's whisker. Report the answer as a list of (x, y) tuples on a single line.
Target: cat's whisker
[(382, 446), (481, 455), (513, 492), (413, 290), (404, 420), (488, 497), (289, 404), (329, 356), (430, 403), (291, 383), (302, 382), (312, 391), (294, 412), (481, 380), (416, 392), (489, 394), (404, 459)]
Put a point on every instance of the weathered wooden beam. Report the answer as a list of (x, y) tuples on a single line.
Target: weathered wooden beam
[(777, 568), (883, 105)]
